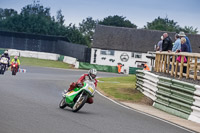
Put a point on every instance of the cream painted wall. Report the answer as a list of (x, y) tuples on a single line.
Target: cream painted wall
[(113, 60)]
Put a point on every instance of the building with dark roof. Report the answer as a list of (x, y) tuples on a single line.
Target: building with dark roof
[(134, 40), (113, 45)]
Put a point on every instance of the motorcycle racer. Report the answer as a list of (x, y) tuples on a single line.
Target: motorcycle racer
[(16, 60), (5, 54), (91, 76)]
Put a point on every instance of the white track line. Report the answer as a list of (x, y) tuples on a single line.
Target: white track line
[(145, 113)]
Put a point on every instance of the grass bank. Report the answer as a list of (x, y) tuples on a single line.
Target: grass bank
[(43, 63), (121, 88)]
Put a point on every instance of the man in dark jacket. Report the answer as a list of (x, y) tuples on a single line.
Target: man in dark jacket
[(167, 42)]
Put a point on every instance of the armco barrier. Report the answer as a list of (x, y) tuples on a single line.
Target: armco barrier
[(43, 55), (132, 70), (14, 52), (173, 96), (69, 60), (29, 54), (83, 65), (33, 54), (48, 56)]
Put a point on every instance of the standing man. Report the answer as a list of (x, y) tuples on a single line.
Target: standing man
[(177, 44), (119, 66), (182, 34), (146, 68), (159, 45), (167, 42)]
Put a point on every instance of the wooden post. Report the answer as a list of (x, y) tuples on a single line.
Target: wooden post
[(158, 65), (195, 69), (176, 68), (165, 63), (172, 68), (188, 68), (161, 66), (181, 67), (168, 63)]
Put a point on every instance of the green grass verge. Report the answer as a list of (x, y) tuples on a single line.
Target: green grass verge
[(43, 63), (121, 88)]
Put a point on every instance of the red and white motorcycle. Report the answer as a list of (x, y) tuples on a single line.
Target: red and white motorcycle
[(14, 68)]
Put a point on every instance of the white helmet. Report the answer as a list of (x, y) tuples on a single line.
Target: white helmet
[(92, 73), (6, 52)]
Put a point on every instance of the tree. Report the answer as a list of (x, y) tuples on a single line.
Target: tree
[(35, 9), (164, 24), (6, 13), (118, 21), (87, 28), (189, 29), (60, 17), (74, 35)]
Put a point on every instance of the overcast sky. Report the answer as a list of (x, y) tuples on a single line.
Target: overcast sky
[(139, 12)]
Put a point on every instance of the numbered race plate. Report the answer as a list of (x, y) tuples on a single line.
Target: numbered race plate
[(4, 60), (91, 89)]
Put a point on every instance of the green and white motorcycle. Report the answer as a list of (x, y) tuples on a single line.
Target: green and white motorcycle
[(78, 97)]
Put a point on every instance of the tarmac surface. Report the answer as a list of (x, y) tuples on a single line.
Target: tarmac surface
[(29, 104)]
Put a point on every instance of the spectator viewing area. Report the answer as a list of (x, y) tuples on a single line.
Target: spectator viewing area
[(188, 66)]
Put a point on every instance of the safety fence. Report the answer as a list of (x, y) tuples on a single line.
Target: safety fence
[(104, 68), (132, 70), (43, 55), (181, 64), (173, 96)]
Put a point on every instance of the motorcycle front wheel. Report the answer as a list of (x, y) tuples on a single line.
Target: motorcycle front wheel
[(80, 102), (62, 104), (2, 70), (14, 71)]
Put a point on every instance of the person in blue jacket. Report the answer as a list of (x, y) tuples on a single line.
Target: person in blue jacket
[(182, 34)]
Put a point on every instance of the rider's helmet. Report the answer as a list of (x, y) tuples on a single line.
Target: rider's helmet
[(92, 73), (15, 58), (6, 53)]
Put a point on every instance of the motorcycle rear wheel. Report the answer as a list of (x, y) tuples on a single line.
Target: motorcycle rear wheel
[(62, 104), (14, 71), (80, 102)]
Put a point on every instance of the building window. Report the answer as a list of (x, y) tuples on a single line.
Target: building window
[(138, 55), (132, 55), (107, 52)]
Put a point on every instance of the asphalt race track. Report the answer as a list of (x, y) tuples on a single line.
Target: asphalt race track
[(29, 104)]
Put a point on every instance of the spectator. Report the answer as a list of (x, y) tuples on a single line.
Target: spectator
[(167, 42), (184, 48), (177, 44), (119, 66), (159, 45), (182, 35), (145, 66)]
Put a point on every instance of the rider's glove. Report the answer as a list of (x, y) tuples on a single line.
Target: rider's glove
[(79, 85)]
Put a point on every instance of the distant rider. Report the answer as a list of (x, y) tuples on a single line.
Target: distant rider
[(16, 60), (91, 76), (5, 54)]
